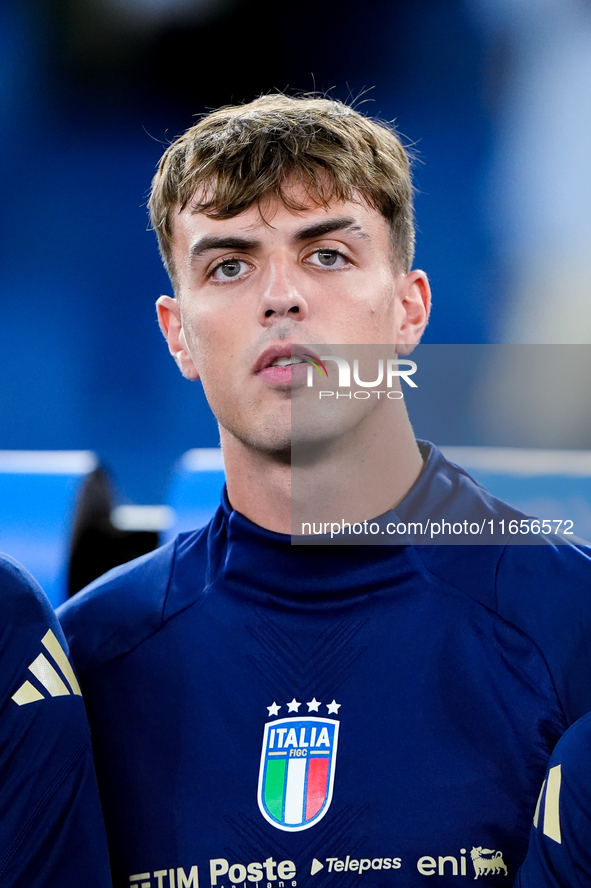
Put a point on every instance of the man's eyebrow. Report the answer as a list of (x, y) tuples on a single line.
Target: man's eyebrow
[(319, 229), (211, 242), (234, 242)]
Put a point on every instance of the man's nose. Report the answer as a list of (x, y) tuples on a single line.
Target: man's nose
[(281, 296)]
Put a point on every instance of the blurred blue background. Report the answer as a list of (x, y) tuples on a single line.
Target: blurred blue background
[(493, 95)]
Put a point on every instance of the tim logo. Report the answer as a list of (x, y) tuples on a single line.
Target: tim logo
[(297, 771)]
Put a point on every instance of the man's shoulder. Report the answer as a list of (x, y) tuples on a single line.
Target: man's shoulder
[(538, 583), (505, 544), (546, 590), (131, 602), (21, 596)]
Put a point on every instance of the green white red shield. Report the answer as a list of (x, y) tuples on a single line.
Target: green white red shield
[(296, 776)]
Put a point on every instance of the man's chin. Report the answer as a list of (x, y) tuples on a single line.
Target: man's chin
[(291, 449), (277, 436), (269, 442)]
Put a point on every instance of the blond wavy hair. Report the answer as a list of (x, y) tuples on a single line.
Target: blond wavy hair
[(238, 156)]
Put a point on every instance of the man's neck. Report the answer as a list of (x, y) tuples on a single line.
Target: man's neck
[(352, 480)]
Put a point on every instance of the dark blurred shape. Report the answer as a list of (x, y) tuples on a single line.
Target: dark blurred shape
[(192, 55), (198, 52), (97, 545)]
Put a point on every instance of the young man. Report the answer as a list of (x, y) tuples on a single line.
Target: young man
[(51, 827), (273, 714)]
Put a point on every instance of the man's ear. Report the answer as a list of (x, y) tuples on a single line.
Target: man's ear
[(414, 294), (169, 319)]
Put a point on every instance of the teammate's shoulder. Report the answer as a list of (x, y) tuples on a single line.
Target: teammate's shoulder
[(574, 748), (31, 640), (20, 593), (558, 853), (119, 610)]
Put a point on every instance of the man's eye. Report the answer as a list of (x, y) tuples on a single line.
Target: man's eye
[(228, 269), (328, 259)]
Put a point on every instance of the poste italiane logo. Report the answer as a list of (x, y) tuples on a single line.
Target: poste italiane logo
[(298, 760)]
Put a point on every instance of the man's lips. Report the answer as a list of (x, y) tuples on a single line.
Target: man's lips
[(287, 374)]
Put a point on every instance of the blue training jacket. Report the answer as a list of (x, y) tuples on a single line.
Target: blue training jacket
[(278, 716)]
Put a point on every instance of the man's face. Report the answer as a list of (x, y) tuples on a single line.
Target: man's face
[(248, 289)]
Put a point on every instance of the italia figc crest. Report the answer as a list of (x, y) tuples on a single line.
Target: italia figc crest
[(297, 769)]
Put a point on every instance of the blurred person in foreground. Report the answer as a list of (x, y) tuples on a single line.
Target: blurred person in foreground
[(278, 714), (559, 854), (51, 827)]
